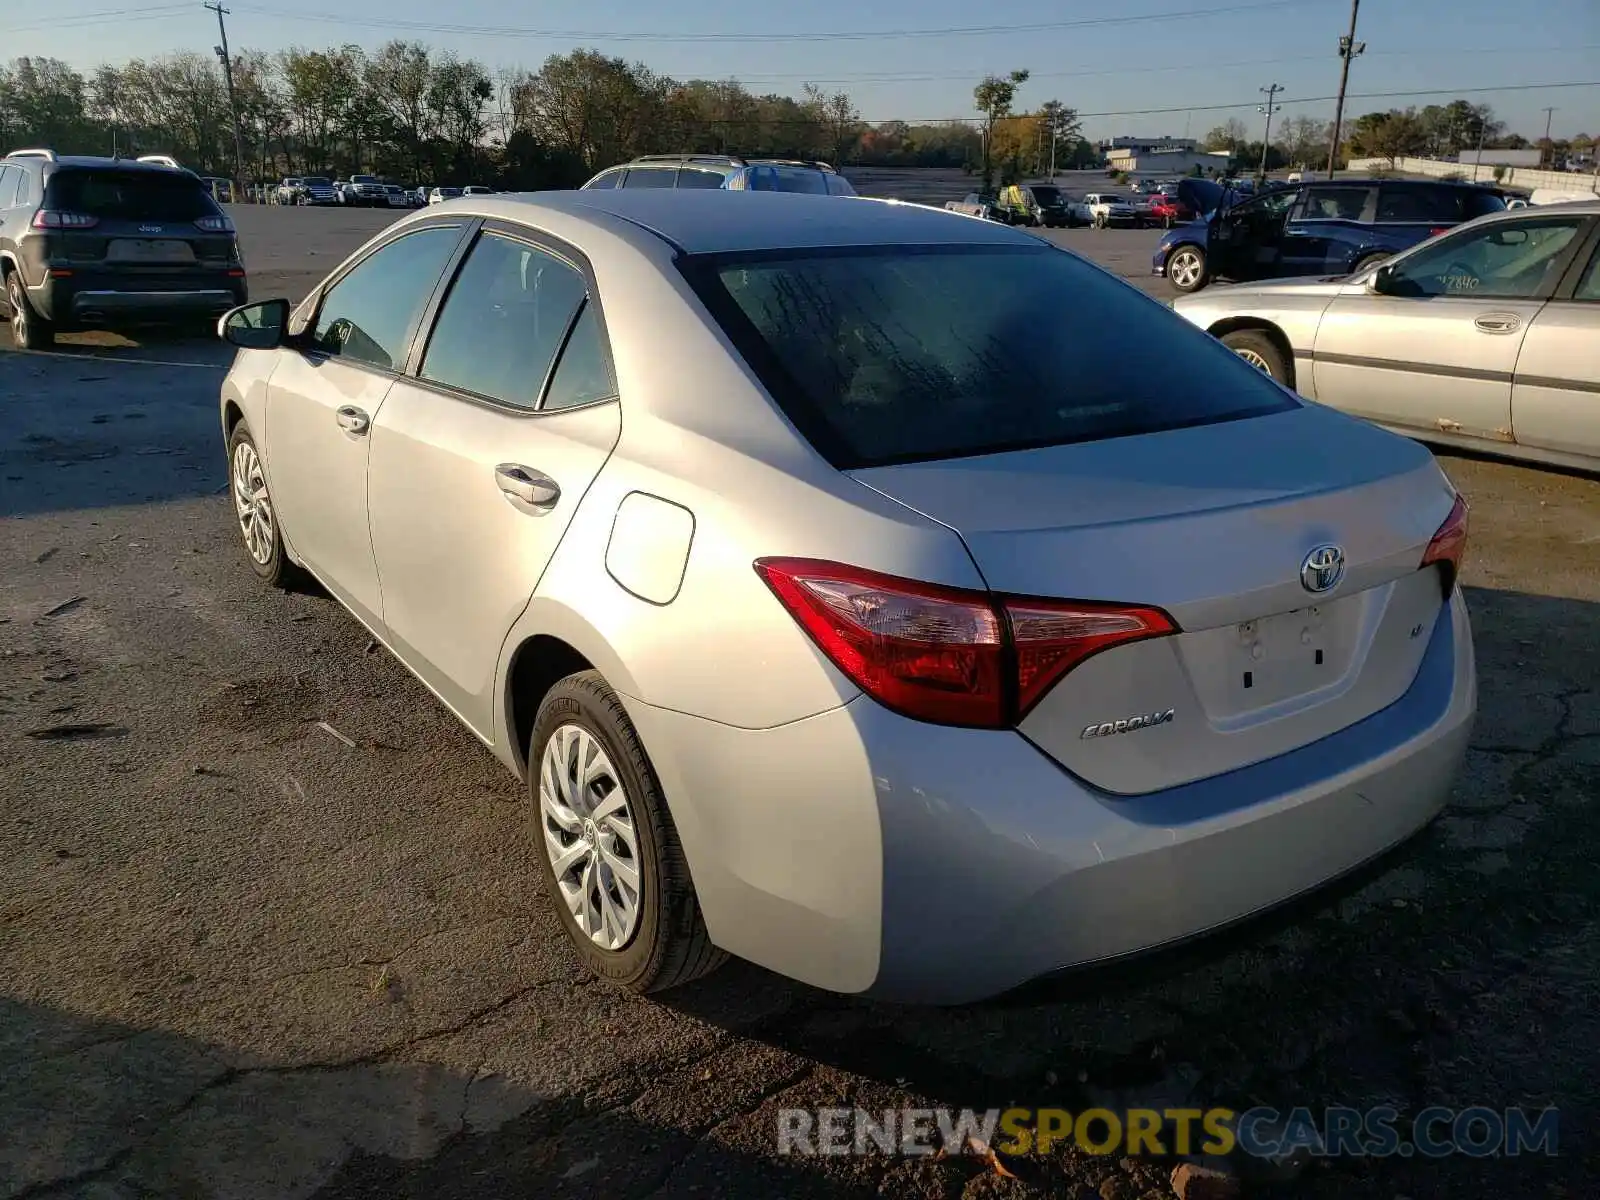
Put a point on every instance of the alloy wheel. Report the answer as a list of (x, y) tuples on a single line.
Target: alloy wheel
[(252, 504), (1254, 359), (588, 833), (19, 310), (1184, 268)]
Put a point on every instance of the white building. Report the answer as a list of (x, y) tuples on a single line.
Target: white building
[(1148, 145), (1166, 162)]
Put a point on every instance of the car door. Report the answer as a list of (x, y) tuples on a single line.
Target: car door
[(324, 394), (1244, 240), (1431, 341), (1555, 396), (1324, 227), (481, 455)]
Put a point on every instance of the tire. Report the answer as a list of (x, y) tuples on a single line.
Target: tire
[(29, 331), (1369, 260), (663, 942), (1260, 351), (248, 494), (1186, 268)]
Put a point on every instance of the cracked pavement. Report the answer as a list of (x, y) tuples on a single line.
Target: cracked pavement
[(242, 959)]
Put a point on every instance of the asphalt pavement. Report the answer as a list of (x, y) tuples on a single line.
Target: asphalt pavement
[(271, 926)]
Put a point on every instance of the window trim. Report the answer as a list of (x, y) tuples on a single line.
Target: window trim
[(557, 249), (1564, 278), (305, 317)]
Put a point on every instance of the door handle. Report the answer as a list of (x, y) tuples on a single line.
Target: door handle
[(533, 488), (1498, 323), (352, 420)]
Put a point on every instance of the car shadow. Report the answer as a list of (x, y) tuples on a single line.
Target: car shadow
[(103, 420)]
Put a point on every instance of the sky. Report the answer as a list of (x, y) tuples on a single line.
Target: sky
[(1141, 67)]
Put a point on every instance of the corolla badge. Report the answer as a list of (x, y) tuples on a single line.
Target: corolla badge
[(1322, 569), (1127, 724)]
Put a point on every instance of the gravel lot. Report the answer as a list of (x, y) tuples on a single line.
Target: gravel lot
[(242, 959)]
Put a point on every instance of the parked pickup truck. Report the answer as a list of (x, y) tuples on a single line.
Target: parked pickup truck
[(1106, 208), (977, 204)]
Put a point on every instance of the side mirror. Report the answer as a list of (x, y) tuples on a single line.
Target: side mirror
[(1381, 280), (260, 326)]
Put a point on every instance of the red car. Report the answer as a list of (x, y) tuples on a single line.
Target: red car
[(1168, 210)]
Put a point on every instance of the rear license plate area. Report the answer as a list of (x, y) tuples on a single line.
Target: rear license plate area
[(158, 251), (1279, 657)]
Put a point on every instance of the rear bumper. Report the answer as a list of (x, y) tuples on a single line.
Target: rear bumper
[(863, 852), (95, 300)]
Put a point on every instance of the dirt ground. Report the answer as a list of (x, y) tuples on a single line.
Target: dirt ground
[(242, 959)]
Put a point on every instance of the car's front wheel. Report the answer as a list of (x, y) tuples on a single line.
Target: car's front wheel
[(254, 514), (608, 849), (29, 331), (1186, 268), (1261, 352)]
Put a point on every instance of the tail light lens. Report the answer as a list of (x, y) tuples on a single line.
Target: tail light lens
[(49, 218), (948, 655), (1438, 231), (1449, 545), (216, 224)]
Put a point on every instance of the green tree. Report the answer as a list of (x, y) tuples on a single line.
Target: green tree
[(993, 97)]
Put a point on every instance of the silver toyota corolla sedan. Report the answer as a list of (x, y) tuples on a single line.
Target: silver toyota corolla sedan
[(891, 599), (1487, 337)]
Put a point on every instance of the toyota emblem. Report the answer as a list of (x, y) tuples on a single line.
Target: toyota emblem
[(1322, 569)]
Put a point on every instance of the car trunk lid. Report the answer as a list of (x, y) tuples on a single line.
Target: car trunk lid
[(1214, 525)]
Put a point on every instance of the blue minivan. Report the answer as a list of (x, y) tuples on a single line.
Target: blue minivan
[(1336, 227)]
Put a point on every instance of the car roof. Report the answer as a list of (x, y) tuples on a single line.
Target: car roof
[(710, 222), (100, 163)]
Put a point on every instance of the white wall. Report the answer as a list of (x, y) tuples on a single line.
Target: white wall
[(1522, 177)]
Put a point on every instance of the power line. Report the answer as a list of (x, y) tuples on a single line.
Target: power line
[(846, 35)]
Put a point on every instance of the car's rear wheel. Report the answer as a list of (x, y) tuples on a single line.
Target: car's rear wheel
[(29, 331), (1186, 268), (608, 849), (1260, 351)]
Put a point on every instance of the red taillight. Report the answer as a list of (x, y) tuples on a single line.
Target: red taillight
[(1438, 231), (49, 218), (1449, 545), (948, 655)]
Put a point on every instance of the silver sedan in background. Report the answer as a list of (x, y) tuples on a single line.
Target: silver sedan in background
[(836, 613), (1487, 337)]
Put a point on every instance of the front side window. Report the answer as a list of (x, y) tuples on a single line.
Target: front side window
[(1510, 260), (505, 318), (907, 353), (367, 317), (651, 177)]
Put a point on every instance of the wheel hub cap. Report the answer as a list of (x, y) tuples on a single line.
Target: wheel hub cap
[(252, 504), (587, 828), (1254, 359)]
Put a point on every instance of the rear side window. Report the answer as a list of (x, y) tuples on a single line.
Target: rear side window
[(838, 185), (506, 315), (1434, 205), (693, 177), (788, 179), (1335, 203), (130, 195), (584, 374), (607, 179), (8, 186), (651, 177), (906, 353)]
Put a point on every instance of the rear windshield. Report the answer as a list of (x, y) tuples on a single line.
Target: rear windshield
[(907, 353), (130, 195), (1442, 205), (765, 178), (317, 181), (363, 179), (1046, 195)]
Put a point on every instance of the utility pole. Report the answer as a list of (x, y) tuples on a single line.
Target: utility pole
[(1348, 48), (233, 100), (1548, 114), (1271, 94)]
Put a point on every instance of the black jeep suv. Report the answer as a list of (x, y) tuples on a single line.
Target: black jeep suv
[(107, 243)]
